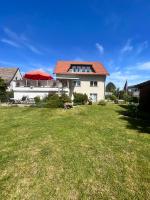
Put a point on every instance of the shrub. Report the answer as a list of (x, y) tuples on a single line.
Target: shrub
[(54, 101), (102, 103), (37, 100), (126, 97), (80, 99), (132, 111), (3, 93), (133, 100), (10, 94)]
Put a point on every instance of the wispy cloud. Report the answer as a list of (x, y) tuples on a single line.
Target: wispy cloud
[(100, 48), (144, 66), (32, 48), (142, 46), (17, 40), (10, 42), (127, 47)]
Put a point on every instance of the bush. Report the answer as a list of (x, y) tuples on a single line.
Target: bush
[(10, 94), (135, 112), (126, 97), (133, 100), (102, 103), (37, 100), (113, 97), (3, 93), (54, 101), (132, 111), (80, 99)]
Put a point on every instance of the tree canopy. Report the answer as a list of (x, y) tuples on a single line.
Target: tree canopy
[(110, 87)]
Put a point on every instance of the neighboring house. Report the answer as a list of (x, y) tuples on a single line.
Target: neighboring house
[(134, 91), (10, 75), (82, 77), (144, 94)]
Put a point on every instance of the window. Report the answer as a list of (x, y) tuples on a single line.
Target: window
[(93, 83), (81, 68), (77, 83)]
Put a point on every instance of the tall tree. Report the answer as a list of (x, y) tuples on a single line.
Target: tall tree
[(110, 87), (125, 89)]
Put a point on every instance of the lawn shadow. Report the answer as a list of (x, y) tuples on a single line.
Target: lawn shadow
[(141, 125)]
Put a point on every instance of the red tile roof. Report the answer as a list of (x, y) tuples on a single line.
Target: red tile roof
[(62, 67)]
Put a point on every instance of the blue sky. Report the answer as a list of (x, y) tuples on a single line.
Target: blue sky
[(35, 34)]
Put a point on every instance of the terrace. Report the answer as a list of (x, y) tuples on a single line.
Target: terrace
[(33, 88)]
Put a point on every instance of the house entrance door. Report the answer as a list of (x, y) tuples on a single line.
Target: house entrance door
[(93, 97)]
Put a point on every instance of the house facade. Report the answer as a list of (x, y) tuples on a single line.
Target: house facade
[(10, 76), (82, 77)]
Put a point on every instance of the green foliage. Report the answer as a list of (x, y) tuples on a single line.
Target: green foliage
[(54, 101), (133, 110), (102, 103), (37, 100), (10, 94), (3, 93), (111, 97), (80, 99), (133, 99), (126, 97), (110, 87)]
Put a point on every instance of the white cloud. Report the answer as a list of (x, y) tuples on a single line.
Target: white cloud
[(100, 48), (144, 66), (10, 42), (19, 41), (119, 78), (127, 47), (124, 76), (142, 46)]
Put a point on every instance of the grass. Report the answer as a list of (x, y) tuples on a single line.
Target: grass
[(89, 152)]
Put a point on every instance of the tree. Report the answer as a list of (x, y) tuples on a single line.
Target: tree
[(110, 87), (3, 92)]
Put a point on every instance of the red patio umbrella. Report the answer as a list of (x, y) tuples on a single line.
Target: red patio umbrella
[(38, 75)]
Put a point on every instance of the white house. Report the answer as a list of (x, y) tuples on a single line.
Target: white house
[(82, 77), (71, 76), (10, 76)]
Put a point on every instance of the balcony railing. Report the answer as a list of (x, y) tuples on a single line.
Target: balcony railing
[(39, 83)]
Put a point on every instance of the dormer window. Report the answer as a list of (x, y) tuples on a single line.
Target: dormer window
[(81, 68)]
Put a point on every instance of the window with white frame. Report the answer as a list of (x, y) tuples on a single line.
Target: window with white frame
[(93, 83)]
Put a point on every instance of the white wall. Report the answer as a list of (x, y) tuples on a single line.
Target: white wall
[(85, 85), (19, 92)]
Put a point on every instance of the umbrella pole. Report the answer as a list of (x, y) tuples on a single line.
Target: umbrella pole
[(37, 83)]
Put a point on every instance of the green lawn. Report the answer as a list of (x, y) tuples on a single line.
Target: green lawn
[(89, 152)]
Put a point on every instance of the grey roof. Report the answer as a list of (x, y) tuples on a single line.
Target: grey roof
[(7, 73)]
